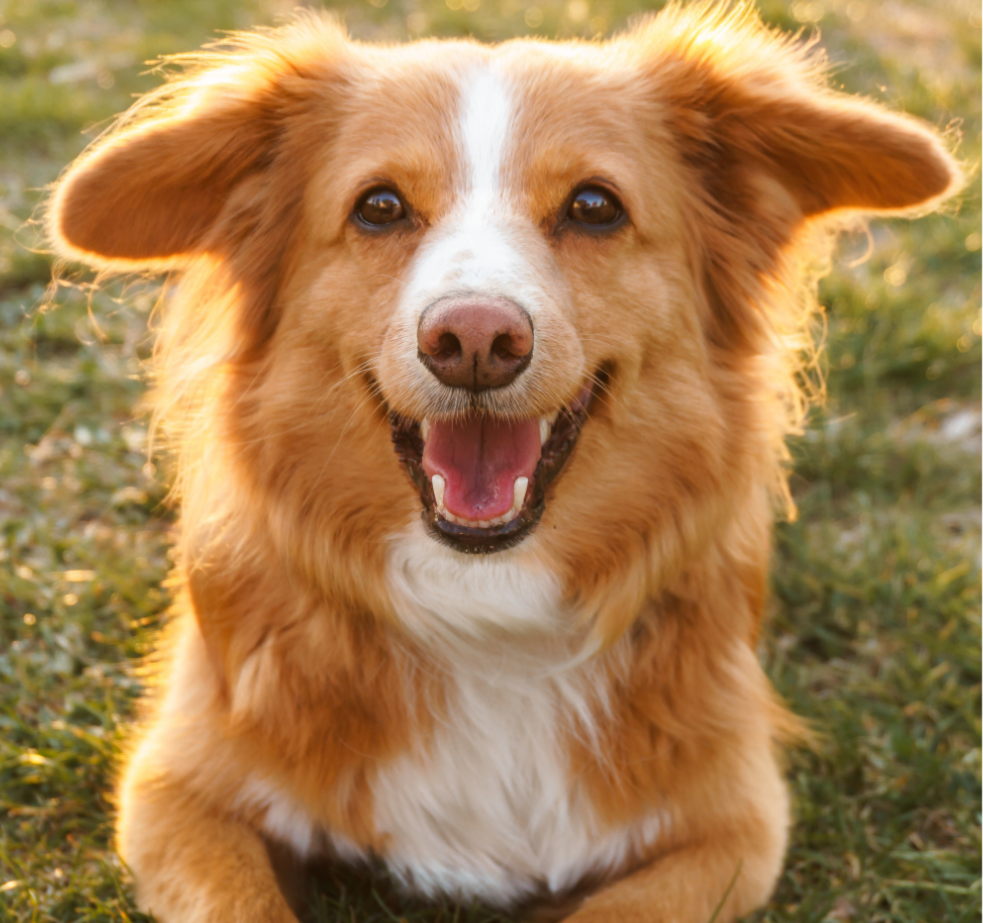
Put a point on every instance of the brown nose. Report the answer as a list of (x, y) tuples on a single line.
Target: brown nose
[(474, 343)]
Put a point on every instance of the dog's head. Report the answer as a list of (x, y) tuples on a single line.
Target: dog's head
[(551, 283)]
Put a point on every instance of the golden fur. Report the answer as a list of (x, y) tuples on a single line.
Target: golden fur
[(276, 374)]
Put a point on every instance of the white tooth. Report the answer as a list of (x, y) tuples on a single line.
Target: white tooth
[(483, 523), (424, 429), (544, 431), (438, 491), (519, 493), (551, 419)]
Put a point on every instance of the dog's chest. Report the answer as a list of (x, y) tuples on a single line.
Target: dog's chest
[(487, 808)]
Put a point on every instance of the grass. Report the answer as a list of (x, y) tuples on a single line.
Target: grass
[(875, 630)]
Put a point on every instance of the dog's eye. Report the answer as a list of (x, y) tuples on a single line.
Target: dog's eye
[(594, 206), (380, 206)]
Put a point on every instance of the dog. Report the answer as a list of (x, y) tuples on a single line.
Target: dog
[(477, 376)]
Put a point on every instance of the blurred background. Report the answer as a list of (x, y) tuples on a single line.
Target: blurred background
[(875, 611)]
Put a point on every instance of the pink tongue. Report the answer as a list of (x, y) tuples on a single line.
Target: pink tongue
[(479, 461)]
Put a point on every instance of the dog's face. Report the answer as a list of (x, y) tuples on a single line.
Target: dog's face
[(531, 293), (499, 262)]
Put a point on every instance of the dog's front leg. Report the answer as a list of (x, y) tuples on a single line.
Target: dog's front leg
[(724, 858), (718, 879), (191, 864)]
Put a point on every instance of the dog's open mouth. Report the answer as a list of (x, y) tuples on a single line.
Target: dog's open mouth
[(483, 480)]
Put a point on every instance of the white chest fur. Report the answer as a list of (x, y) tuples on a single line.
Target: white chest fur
[(489, 809), (486, 807)]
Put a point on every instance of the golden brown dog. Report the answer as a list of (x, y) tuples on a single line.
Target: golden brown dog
[(479, 371)]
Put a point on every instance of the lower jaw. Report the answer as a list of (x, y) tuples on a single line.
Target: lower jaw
[(466, 539), (477, 540)]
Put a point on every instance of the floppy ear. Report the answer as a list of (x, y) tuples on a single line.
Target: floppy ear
[(770, 147), (150, 193), (746, 103), (830, 153)]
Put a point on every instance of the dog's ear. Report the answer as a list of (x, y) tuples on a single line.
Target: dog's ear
[(750, 107), (771, 147), (150, 192), (829, 153)]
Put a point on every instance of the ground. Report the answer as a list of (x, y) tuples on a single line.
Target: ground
[(874, 634)]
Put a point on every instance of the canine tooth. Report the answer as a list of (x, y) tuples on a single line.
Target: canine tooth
[(438, 491), (551, 418), (544, 430), (519, 493), (424, 429)]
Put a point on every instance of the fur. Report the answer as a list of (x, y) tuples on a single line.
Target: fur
[(582, 713)]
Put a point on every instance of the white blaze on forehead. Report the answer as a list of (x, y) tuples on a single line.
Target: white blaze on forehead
[(486, 124), (475, 249)]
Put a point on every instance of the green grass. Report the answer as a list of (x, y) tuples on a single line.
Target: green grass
[(875, 630)]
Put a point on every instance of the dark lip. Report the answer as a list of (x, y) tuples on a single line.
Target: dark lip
[(555, 452)]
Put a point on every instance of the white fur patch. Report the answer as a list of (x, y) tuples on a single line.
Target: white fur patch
[(486, 125), (443, 595), (286, 819), (476, 249), (488, 808)]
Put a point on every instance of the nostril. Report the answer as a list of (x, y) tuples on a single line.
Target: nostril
[(448, 347), (505, 347)]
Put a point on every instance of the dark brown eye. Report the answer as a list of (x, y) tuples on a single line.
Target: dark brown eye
[(595, 207), (380, 206)]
